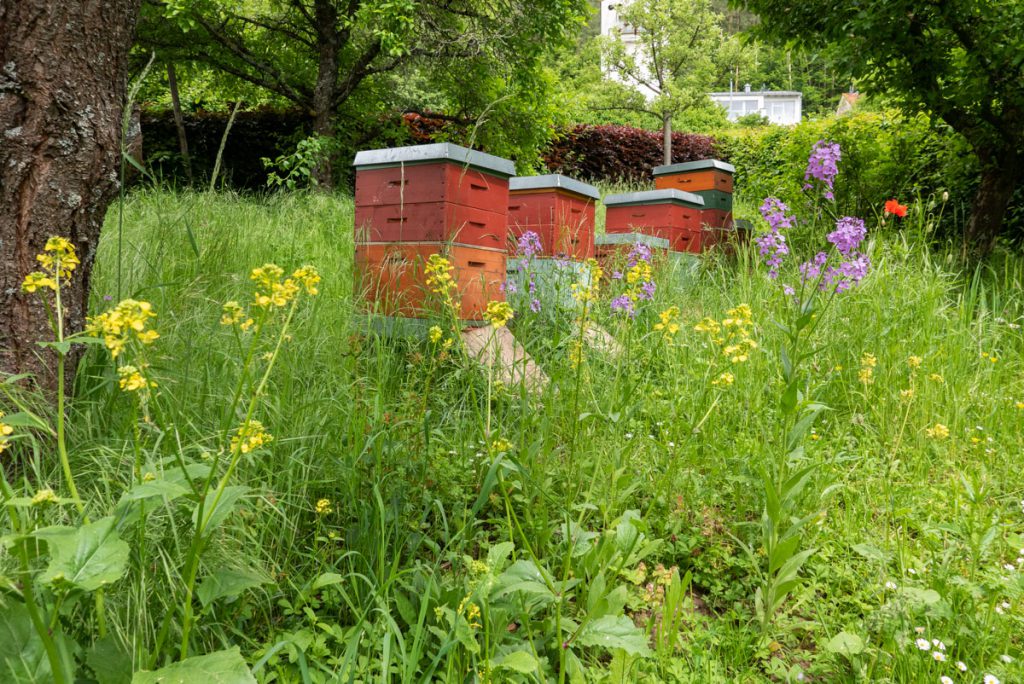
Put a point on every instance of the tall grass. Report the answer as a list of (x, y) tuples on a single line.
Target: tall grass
[(554, 523)]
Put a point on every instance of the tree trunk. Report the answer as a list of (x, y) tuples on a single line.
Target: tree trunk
[(666, 133), (63, 72), (329, 45), (179, 121), (999, 176)]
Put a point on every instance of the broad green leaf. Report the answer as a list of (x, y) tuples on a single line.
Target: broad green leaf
[(498, 554), (615, 632), (871, 552), (846, 644), (215, 514), (523, 576), (326, 580), (157, 488), (87, 557), (787, 404), (22, 656), (222, 667), (925, 597), (518, 661), (228, 584), (110, 662)]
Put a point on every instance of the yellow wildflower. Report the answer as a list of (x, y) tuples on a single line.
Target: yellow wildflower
[(1020, 405), (473, 615), (323, 507), (724, 380), (868, 360), (132, 380), (939, 431), (44, 496), (709, 326), (576, 353), (439, 276), (498, 314), (907, 394), (5, 432), (309, 278), (669, 324), (117, 325), (271, 291), (58, 257), (37, 281), (914, 361), (501, 446), (250, 436), (434, 334), (448, 343), (866, 375), (233, 313), (935, 377)]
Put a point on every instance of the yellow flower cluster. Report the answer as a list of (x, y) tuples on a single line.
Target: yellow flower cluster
[(5, 432), (132, 380), (867, 368), (249, 437), (120, 324), (434, 334), (323, 507), (588, 293), (234, 314), (44, 496), (733, 334), (498, 314), (271, 290), (939, 431), (724, 380), (500, 445), (669, 324), (58, 260), (914, 361), (439, 275)]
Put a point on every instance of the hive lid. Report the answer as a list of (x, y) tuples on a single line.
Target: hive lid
[(670, 196), (433, 153), (631, 239), (694, 166), (553, 181)]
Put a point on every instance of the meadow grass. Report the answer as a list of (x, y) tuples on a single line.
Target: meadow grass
[(477, 533)]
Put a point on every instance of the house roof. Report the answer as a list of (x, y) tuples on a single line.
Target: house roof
[(764, 93)]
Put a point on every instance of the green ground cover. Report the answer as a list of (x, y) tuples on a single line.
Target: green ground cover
[(413, 520)]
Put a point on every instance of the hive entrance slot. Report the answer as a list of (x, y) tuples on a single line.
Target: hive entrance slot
[(476, 264)]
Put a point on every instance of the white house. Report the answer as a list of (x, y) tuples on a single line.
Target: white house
[(612, 24), (779, 106)]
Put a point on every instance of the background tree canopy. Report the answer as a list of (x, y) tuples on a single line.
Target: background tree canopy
[(961, 60)]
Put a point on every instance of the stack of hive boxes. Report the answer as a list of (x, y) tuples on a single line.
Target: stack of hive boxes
[(672, 215), (712, 181), (413, 202), (560, 211)]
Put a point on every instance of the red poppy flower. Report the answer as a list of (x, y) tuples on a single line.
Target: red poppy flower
[(894, 207)]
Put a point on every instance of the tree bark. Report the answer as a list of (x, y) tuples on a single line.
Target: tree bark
[(179, 121), (1000, 171), (326, 88), (666, 133), (63, 73)]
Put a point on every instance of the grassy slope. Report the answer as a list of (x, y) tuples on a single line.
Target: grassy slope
[(395, 444)]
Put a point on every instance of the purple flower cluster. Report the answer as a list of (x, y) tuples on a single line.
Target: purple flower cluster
[(810, 270), (772, 245), (848, 273), (529, 244), (640, 252), (624, 304), (647, 290), (848, 235), (823, 166)]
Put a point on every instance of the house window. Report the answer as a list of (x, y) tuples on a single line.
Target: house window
[(741, 107)]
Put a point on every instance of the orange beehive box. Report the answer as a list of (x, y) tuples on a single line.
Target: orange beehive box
[(696, 176), (559, 209), (670, 214), (432, 193), (391, 278)]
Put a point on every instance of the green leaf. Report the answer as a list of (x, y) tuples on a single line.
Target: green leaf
[(846, 644), (110, 662), (87, 557), (222, 667), (787, 404), (523, 662), (157, 488), (228, 584), (326, 580), (22, 656), (214, 515), (871, 552), (925, 597), (615, 632)]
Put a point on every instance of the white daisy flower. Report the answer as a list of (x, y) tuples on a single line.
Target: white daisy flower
[(1006, 659), (991, 679), (890, 585), (945, 680), (961, 665), (939, 656), (923, 644)]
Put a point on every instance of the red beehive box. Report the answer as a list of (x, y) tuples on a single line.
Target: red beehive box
[(612, 246), (391, 278), (432, 193), (696, 176), (559, 209), (670, 214), (716, 218)]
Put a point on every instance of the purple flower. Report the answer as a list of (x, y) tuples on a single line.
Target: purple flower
[(533, 285), (848, 273), (529, 244), (774, 212), (647, 290), (640, 252), (772, 246), (848, 235), (788, 290), (623, 304), (509, 287), (616, 275), (810, 270), (535, 305), (823, 165)]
